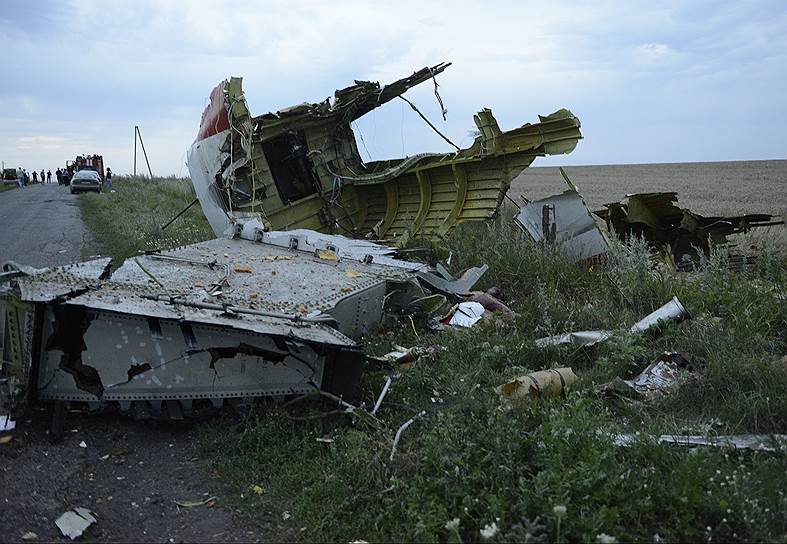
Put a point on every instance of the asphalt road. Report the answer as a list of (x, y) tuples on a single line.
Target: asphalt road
[(130, 474), (40, 226)]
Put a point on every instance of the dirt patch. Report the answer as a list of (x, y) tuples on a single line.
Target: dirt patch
[(133, 492)]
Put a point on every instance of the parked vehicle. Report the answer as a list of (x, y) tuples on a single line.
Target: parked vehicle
[(84, 162), (85, 180)]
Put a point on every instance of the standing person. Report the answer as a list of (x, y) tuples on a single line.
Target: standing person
[(35, 176), (42, 176), (109, 178), (49, 176), (20, 177), (59, 176)]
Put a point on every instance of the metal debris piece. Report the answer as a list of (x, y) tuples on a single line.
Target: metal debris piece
[(299, 167), (7, 424), (74, 522), (565, 220), (448, 285), (193, 504), (671, 311), (679, 235), (536, 385), (467, 314), (159, 349), (757, 442), (399, 432), (579, 338), (657, 379)]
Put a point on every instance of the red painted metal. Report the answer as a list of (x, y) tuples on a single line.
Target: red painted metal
[(86, 162), (215, 118)]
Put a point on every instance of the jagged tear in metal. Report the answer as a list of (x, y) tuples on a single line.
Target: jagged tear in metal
[(300, 167), (679, 234), (564, 219), (261, 314)]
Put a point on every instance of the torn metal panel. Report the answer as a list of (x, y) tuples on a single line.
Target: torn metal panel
[(300, 167), (565, 220), (757, 442), (657, 379), (230, 318), (450, 285), (679, 234), (671, 311)]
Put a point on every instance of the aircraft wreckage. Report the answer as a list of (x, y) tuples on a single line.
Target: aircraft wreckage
[(260, 312), (300, 167)]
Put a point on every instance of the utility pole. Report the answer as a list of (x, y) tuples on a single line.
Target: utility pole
[(138, 134), (135, 150)]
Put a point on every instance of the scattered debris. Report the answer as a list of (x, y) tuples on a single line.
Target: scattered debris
[(6, 439), (404, 426), (565, 220), (657, 379), (256, 489), (7, 424), (209, 502), (679, 235), (671, 311), (74, 522), (579, 338), (536, 385), (756, 442), (443, 282), (30, 535), (82, 444), (466, 314), (242, 268)]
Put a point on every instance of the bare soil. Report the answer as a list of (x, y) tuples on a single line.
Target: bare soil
[(133, 492)]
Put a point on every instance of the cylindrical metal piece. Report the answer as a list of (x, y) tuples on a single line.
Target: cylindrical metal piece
[(671, 311)]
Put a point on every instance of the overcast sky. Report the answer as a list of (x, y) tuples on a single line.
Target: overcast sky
[(650, 81)]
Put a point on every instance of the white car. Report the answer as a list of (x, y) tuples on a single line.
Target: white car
[(86, 180)]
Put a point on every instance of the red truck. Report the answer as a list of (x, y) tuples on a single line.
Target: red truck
[(86, 162)]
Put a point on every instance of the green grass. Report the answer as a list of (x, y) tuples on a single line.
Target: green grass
[(466, 460), (128, 221), (7, 186)]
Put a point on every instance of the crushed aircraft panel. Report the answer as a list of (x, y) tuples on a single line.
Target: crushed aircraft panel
[(678, 233), (230, 318), (300, 167), (564, 219)]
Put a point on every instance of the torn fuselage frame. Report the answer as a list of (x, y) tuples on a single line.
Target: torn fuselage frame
[(300, 167)]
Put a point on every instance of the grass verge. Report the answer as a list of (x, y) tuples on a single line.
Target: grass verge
[(128, 221), (546, 471)]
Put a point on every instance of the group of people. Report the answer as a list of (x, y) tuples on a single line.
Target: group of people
[(22, 177)]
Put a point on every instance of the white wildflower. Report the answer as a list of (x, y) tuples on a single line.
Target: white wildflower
[(559, 510), (489, 531), (452, 525), (604, 538)]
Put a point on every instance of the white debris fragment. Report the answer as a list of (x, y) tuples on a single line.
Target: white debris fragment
[(7, 424), (82, 444), (467, 314), (74, 522)]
